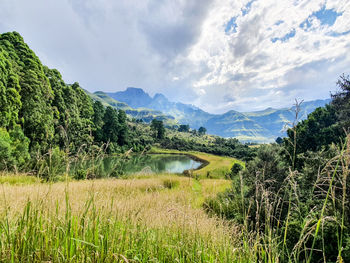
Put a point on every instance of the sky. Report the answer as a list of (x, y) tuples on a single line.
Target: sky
[(218, 55)]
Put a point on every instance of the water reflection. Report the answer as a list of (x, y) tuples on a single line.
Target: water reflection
[(160, 163), (145, 164)]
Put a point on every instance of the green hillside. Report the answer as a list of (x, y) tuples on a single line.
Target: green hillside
[(144, 114), (258, 126)]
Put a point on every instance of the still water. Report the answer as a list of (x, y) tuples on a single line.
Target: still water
[(137, 164), (160, 163)]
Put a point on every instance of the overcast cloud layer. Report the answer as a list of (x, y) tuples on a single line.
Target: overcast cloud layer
[(217, 54)]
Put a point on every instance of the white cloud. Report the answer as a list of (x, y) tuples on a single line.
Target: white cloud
[(180, 47), (249, 69)]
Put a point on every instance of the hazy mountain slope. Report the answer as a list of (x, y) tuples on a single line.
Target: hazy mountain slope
[(257, 126), (277, 120), (184, 113), (236, 124), (134, 97), (147, 115)]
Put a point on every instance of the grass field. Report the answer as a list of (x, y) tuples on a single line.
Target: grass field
[(156, 219), (217, 167)]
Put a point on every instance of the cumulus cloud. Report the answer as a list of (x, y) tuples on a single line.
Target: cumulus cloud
[(217, 54), (272, 56)]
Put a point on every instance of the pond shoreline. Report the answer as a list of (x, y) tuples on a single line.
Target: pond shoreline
[(203, 162)]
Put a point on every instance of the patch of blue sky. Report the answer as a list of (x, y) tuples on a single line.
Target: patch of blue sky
[(325, 16), (279, 22), (247, 7), (231, 26), (285, 37), (337, 34)]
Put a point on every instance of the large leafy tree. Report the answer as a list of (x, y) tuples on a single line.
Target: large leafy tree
[(341, 102), (123, 137), (99, 112), (35, 90), (202, 130), (10, 100), (318, 130), (111, 125), (73, 112), (158, 128)]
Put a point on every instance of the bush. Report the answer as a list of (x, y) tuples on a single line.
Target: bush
[(236, 168), (170, 183)]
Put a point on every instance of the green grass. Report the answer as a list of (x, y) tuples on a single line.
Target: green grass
[(18, 179)]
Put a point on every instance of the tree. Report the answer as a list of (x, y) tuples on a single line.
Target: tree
[(184, 128), (202, 130), (99, 112), (279, 140), (111, 125), (13, 148), (158, 129), (34, 89), (10, 100), (320, 129), (235, 169), (341, 101), (73, 112), (123, 128)]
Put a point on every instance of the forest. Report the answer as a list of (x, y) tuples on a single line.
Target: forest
[(286, 201)]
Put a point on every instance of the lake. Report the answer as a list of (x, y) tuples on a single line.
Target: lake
[(138, 164), (160, 163)]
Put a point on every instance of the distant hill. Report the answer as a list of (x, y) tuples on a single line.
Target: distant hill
[(147, 115), (257, 126)]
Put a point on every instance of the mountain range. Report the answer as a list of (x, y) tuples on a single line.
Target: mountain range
[(257, 126)]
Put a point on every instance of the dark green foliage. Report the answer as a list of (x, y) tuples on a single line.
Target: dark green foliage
[(221, 146), (279, 140), (341, 101), (99, 112), (73, 112), (158, 129), (9, 92), (123, 135), (111, 125), (184, 128), (13, 149), (320, 129), (202, 130), (42, 115), (5, 149), (305, 204), (35, 90), (235, 169)]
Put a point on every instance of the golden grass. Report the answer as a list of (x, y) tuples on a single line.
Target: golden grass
[(140, 200)]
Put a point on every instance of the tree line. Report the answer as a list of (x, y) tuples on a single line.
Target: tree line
[(40, 112)]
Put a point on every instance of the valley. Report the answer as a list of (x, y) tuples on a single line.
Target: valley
[(257, 127)]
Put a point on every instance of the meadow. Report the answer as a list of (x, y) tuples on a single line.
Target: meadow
[(152, 219)]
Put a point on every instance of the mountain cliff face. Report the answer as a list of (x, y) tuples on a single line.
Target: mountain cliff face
[(256, 126)]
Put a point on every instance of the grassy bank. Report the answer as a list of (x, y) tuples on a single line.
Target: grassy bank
[(136, 220), (216, 166), (17, 179)]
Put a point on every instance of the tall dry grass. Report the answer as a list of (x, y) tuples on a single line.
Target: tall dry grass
[(135, 220)]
